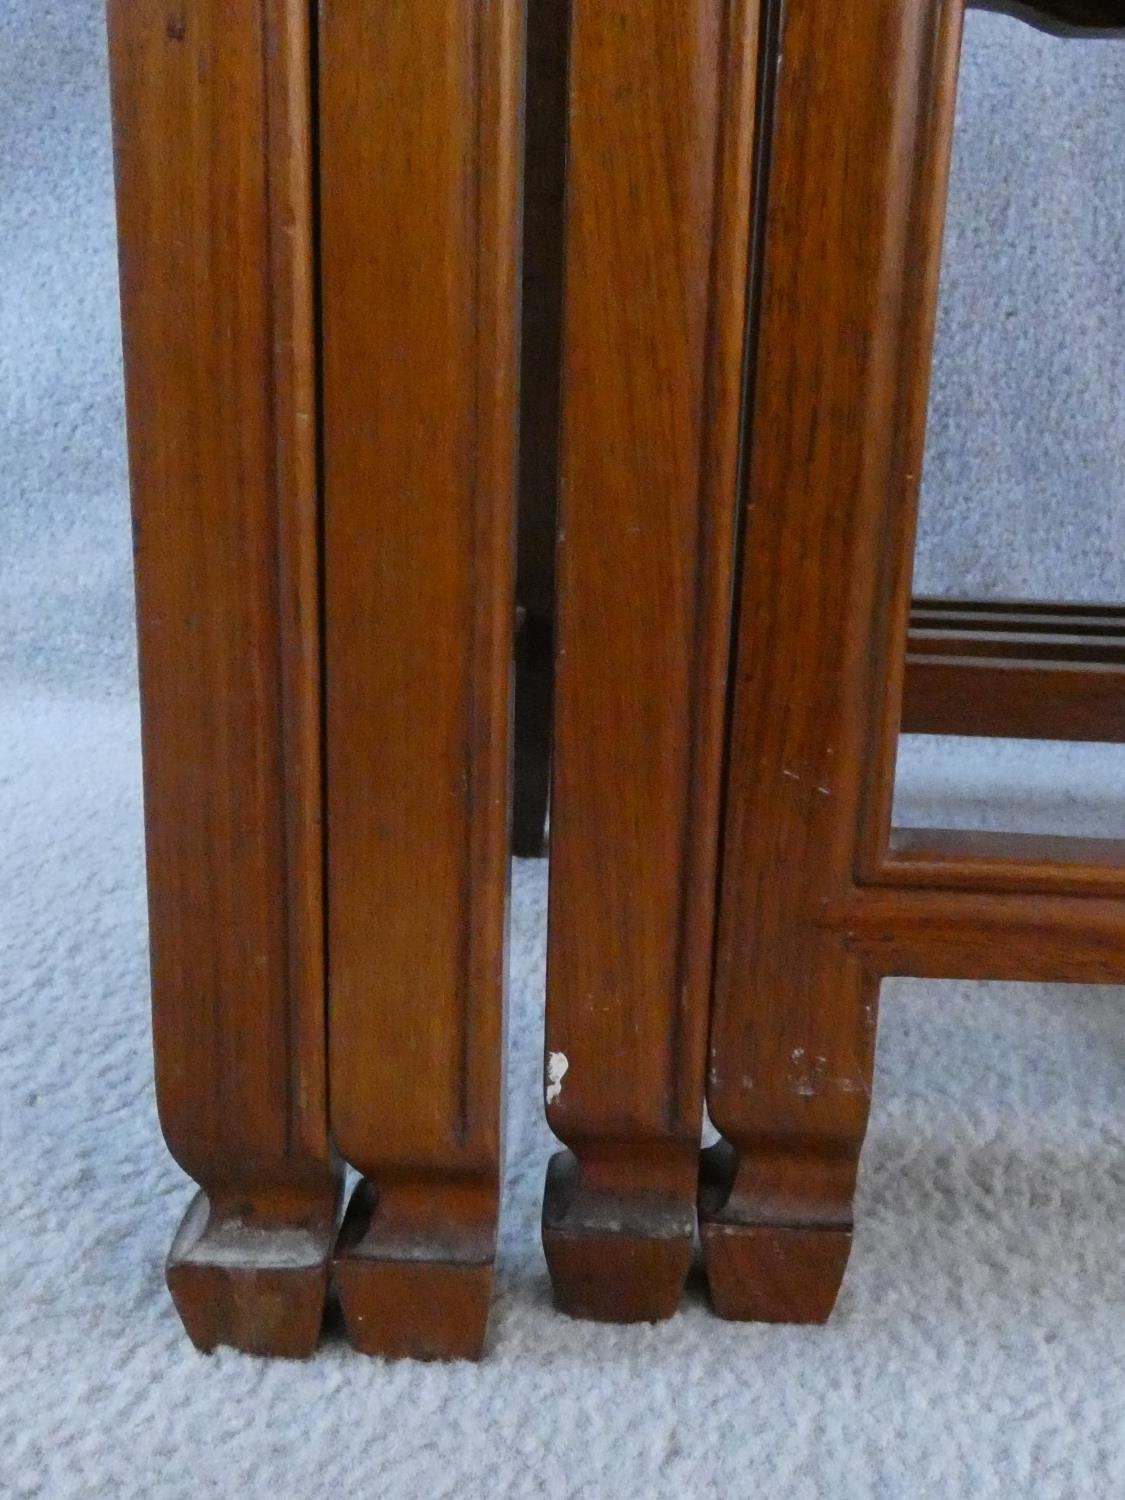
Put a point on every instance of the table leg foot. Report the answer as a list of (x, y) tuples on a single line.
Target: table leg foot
[(408, 1293), (253, 1282), (614, 1257)]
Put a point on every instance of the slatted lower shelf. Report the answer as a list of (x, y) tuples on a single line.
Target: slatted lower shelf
[(1015, 670)]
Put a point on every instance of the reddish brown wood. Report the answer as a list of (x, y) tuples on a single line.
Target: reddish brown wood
[(966, 859), (420, 114), (660, 126), (852, 231), (820, 897), (1035, 671), (972, 934), (1023, 646), (1013, 614), (998, 691), (1012, 699), (211, 128)]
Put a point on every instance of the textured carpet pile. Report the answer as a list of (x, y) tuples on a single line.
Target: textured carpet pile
[(979, 1344)]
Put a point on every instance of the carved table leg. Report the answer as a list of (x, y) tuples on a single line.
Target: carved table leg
[(839, 398), (420, 117), (211, 131), (657, 224)]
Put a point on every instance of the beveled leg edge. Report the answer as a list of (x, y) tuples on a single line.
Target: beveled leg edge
[(774, 1273), (409, 1297), (614, 1257), (259, 1287)]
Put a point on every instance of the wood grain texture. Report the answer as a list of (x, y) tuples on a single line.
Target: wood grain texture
[(420, 120), (820, 897), (1016, 934), (1011, 699), (1004, 863), (657, 229), (850, 263), (1015, 670), (212, 140)]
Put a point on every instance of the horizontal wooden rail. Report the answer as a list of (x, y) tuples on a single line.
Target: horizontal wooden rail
[(1016, 670), (1003, 615), (982, 860), (943, 934)]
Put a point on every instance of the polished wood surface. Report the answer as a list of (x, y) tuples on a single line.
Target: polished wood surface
[(729, 322), (661, 107), (420, 163), (1016, 670), (212, 139), (850, 265), (1014, 699), (821, 898)]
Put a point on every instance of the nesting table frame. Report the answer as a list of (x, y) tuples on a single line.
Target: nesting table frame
[(820, 897), (322, 420), (320, 259)]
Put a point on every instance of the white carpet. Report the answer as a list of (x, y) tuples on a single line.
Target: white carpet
[(979, 1345)]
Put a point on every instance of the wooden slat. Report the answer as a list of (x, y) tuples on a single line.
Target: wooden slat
[(1087, 649), (968, 859), (1006, 616), (1007, 699), (1054, 607), (970, 934)]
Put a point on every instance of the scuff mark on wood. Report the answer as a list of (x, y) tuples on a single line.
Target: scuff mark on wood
[(558, 1064)]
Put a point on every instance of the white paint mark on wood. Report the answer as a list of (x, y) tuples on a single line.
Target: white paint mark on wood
[(558, 1065)]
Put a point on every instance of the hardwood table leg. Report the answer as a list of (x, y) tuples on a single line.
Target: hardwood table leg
[(211, 127), (839, 402), (420, 162), (657, 231), (820, 897)]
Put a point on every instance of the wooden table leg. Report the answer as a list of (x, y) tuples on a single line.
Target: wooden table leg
[(211, 127), (420, 162), (657, 225), (853, 215)]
